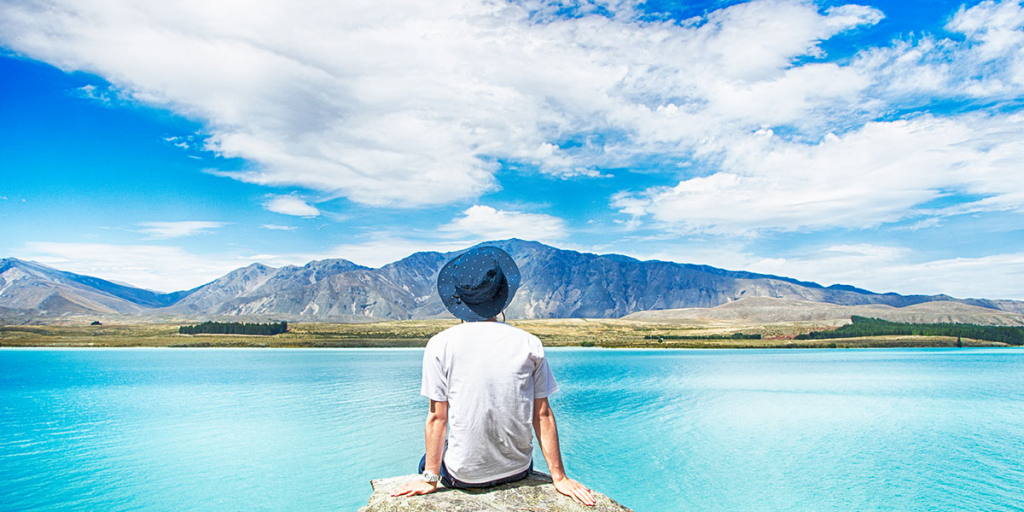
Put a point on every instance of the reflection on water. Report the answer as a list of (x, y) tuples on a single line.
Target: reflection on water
[(659, 430)]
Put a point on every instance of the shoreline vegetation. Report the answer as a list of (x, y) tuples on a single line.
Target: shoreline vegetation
[(604, 333)]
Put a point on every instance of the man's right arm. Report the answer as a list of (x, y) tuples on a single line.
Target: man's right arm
[(547, 435)]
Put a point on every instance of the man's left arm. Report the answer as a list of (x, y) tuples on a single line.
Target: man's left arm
[(434, 433)]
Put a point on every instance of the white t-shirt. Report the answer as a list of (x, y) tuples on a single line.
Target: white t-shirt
[(489, 373)]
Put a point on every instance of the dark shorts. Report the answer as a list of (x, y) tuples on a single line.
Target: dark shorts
[(452, 483)]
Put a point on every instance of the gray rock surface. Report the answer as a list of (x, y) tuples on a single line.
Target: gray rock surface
[(534, 494)]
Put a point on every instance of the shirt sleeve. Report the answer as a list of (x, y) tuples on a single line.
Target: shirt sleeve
[(544, 384), (435, 380)]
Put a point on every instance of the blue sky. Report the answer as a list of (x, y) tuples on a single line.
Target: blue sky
[(875, 144)]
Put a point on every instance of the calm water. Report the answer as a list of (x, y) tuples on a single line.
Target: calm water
[(251, 429)]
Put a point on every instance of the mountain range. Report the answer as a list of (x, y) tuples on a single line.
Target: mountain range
[(556, 284)]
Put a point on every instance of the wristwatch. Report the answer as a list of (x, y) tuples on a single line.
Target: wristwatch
[(430, 478)]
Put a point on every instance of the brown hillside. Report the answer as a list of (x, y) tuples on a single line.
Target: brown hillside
[(767, 310)]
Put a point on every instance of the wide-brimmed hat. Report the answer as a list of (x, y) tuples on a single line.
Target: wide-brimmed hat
[(479, 283)]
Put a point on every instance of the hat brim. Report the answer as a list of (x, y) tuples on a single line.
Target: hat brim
[(488, 309)]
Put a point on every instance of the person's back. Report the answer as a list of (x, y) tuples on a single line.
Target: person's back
[(488, 384), (490, 373)]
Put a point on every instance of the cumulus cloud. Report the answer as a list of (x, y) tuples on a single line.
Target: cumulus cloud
[(415, 107), (487, 223), (161, 230), (291, 205), (882, 173)]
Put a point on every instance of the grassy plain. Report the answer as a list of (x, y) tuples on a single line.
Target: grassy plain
[(610, 333)]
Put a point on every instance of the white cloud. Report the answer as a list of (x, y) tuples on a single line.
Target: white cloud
[(885, 269), (385, 249), (414, 106), (154, 267), (161, 230), (278, 227), (882, 173), (91, 92), (168, 268), (291, 205), (995, 27), (376, 251), (983, 60), (879, 268), (487, 223)]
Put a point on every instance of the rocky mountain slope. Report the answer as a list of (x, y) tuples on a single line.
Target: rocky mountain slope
[(556, 284), (27, 287)]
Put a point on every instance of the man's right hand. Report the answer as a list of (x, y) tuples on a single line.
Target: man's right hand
[(575, 490), (415, 487)]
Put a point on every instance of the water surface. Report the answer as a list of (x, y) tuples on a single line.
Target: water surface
[(659, 430)]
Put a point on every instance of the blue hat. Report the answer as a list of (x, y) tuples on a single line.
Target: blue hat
[(478, 284)]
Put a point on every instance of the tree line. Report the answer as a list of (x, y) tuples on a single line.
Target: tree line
[(863, 326), (268, 329)]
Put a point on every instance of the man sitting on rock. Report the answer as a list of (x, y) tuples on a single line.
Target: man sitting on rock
[(487, 382)]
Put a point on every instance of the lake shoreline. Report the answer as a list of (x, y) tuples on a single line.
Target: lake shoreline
[(837, 343), (598, 333)]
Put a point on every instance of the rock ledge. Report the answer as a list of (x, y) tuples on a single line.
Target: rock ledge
[(533, 494)]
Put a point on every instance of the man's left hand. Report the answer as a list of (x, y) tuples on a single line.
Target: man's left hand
[(575, 490), (415, 487)]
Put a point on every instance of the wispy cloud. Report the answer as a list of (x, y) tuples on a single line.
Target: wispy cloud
[(291, 205), (879, 268), (161, 268), (277, 227), (169, 268), (91, 92), (182, 142), (162, 230), (383, 249), (888, 268)]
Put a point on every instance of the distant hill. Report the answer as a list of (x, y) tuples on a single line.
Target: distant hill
[(556, 284)]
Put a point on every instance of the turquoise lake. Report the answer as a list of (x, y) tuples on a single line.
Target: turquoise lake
[(658, 430)]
